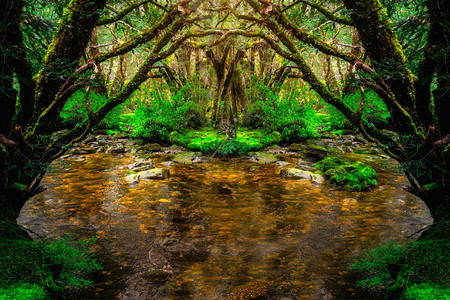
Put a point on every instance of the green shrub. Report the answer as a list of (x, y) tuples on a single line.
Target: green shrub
[(374, 111), (154, 121), (34, 269), (419, 270), (294, 121), (374, 265), (355, 176), (75, 112)]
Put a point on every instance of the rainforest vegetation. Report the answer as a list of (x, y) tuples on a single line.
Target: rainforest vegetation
[(227, 78)]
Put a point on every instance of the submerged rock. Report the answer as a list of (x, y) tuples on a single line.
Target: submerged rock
[(132, 178), (157, 173)]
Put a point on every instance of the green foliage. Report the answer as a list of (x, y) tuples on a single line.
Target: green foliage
[(374, 111), (207, 141), (154, 121), (419, 270), (374, 265), (24, 291), (75, 112), (355, 176), (426, 291), (294, 121), (32, 270), (75, 258)]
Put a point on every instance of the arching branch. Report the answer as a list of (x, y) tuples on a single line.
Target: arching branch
[(329, 15)]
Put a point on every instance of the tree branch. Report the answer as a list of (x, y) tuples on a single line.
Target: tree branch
[(126, 11), (329, 15)]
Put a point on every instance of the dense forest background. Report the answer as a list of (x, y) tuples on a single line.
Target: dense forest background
[(285, 70)]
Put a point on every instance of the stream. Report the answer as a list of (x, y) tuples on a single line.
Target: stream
[(219, 231)]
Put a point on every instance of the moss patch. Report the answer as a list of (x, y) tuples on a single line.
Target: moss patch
[(356, 176), (207, 141)]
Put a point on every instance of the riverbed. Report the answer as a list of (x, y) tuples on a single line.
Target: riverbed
[(219, 230)]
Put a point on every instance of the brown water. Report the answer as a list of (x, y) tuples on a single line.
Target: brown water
[(219, 231)]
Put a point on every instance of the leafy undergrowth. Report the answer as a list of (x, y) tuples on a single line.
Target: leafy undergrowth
[(40, 270), (354, 176), (207, 141), (419, 270)]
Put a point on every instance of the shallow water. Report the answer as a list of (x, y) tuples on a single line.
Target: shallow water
[(218, 231)]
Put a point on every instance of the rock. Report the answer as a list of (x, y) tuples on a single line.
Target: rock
[(119, 148), (81, 150), (304, 165), (89, 139), (121, 135), (173, 149), (188, 158), (157, 173), (168, 163), (295, 173), (296, 147), (102, 137), (317, 178), (132, 178), (141, 165), (265, 158), (200, 159), (277, 149), (102, 142), (149, 148), (281, 163)]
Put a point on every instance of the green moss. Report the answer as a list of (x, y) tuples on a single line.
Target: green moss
[(355, 176), (207, 141)]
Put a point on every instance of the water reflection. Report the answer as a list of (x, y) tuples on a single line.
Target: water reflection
[(219, 231)]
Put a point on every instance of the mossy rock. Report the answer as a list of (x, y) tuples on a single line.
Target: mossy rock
[(186, 157), (157, 173), (295, 173), (265, 158)]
